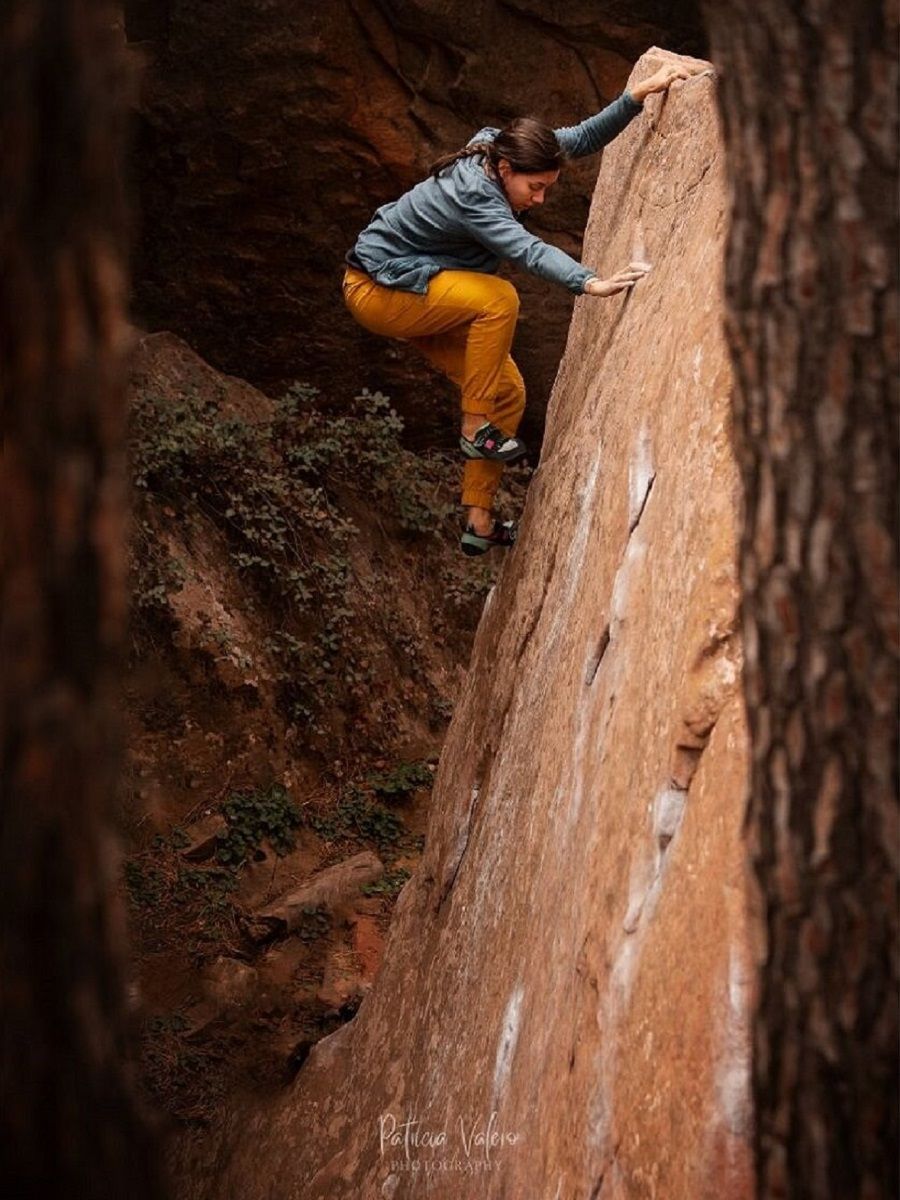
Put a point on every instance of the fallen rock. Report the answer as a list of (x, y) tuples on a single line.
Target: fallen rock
[(205, 836), (368, 944), (342, 987), (230, 984), (271, 875), (329, 891)]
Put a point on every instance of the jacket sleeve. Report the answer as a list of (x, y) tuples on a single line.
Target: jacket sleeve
[(492, 224), (597, 131)]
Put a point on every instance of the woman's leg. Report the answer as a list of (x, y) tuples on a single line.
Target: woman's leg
[(447, 352), (481, 477), (486, 306)]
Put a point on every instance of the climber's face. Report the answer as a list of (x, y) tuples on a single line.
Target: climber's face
[(525, 191)]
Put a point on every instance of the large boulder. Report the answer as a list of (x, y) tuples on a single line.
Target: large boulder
[(562, 1010)]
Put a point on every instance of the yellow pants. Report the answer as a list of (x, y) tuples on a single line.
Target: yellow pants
[(464, 325)]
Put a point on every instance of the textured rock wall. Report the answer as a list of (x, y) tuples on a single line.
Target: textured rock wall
[(269, 131), (569, 972)]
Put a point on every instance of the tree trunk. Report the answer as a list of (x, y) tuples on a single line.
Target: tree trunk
[(71, 1125), (808, 105)]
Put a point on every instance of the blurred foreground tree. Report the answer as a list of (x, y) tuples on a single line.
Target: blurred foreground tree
[(808, 96), (70, 1123)]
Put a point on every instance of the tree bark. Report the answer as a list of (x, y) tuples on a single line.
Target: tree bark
[(808, 93), (71, 1124)]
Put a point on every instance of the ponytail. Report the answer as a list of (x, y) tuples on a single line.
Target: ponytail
[(446, 160), (528, 145)]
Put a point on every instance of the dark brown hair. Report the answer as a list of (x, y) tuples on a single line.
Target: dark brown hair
[(528, 145)]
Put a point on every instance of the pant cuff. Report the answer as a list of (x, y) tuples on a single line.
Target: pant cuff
[(482, 407)]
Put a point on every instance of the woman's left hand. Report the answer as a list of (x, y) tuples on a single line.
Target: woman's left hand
[(661, 80)]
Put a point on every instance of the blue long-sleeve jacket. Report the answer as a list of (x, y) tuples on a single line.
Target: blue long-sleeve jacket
[(461, 220)]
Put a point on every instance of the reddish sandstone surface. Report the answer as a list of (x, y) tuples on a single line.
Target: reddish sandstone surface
[(562, 1007)]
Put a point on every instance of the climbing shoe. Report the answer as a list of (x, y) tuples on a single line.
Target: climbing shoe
[(503, 534), (490, 442)]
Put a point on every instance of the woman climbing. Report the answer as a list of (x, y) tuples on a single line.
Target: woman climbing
[(423, 270)]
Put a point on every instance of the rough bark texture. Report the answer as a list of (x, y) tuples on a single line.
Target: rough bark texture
[(812, 324), (70, 1124), (569, 970), (271, 130)]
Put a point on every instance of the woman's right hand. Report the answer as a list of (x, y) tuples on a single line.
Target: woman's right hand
[(618, 282)]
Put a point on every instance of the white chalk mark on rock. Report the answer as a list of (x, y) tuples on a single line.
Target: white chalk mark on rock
[(583, 713), (638, 247), (509, 1036), (573, 572), (390, 1185), (641, 474), (667, 816), (733, 1071), (639, 882), (622, 584)]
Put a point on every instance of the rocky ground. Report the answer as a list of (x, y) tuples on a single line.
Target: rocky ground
[(302, 620)]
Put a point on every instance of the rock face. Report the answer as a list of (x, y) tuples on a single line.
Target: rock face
[(562, 1010), (269, 132)]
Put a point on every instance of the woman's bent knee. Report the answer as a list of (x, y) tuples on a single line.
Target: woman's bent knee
[(493, 297), (504, 296)]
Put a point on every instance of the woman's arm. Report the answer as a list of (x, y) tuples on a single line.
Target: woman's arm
[(594, 133), (492, 224), (620, 282), (597, 131), (663, 78), (494, 227)]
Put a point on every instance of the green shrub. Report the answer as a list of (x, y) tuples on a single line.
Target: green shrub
[(355, 815), (389, 884), (254, 817), (270, 487), (405, 777)]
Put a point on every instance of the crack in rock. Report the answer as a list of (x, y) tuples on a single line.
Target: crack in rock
[(597, 657), (460, 846)]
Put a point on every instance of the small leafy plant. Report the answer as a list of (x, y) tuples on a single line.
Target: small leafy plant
[(389, 884), (256, 816), (402, 779), (355, 815), (315, 922)]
